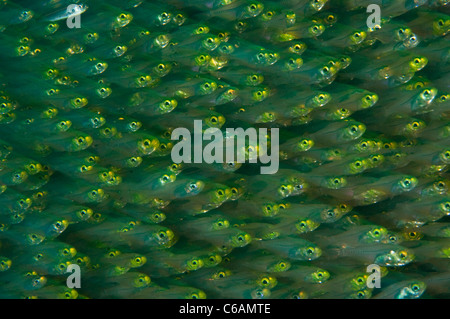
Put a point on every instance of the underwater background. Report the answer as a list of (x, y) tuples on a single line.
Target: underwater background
[(87, 177)]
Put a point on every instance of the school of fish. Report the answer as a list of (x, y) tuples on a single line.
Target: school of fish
[(87, 176)]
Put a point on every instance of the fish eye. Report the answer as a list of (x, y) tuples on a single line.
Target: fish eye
[(253, 7), (403, 254), (446, 206), (441, 23), (310, 251), (415, 288), (214, 119)]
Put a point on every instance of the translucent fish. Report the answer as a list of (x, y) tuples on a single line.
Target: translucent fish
[(172, 292), (123, 285), (240, 9), (265, 263), (381, 254), (53, 292), (436, 229), (339, 131), (68, 13), (409, 289), (291, 247)]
